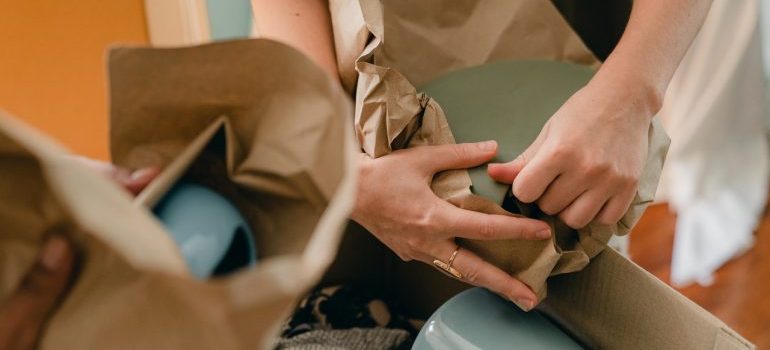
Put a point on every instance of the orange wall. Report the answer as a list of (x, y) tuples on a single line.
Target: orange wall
[(52, 64)]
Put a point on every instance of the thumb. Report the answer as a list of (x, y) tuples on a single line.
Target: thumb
[(136, 181), (455, 156), (25, 312), (507, 172)]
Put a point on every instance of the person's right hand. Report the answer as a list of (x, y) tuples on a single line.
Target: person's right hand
[(395, 203)]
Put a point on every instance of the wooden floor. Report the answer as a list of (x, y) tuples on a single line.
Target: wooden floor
[(740, 294)]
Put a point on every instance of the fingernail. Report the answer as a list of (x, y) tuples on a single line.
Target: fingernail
[(53, 253), (122, 175), (141, 173), (488, 145), (543, 233), (493, 165), (524, 304)]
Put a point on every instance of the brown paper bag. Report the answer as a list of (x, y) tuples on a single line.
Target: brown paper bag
[(416, 42), (254, 120)]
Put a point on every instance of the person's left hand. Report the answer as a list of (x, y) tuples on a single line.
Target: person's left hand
[(132, 181), (586, 163), (24, 314)]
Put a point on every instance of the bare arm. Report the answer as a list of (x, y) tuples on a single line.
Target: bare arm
[(656, 39), (302, 24)]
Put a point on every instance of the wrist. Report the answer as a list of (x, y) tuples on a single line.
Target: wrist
[(639, 93)]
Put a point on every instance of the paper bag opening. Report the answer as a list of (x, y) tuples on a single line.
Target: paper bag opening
[(287, 156)]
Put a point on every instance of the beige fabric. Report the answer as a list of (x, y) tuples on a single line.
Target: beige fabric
[(352, 32), (717, 175), (255, 120)]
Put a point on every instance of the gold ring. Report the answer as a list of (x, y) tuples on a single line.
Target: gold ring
[(446, 267)]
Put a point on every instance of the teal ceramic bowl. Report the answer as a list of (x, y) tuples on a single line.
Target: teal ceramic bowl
[(507, 101), (212, 235), (478, 319)]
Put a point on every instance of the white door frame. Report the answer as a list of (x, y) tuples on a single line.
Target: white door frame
[(177, 22)]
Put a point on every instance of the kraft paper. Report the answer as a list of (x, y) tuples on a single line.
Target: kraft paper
[(255, 120), (415, 43)]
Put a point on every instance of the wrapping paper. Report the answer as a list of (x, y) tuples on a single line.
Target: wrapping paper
[(254, 120), (414, 43)]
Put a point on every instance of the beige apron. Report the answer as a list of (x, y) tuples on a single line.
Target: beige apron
[(351, 34)]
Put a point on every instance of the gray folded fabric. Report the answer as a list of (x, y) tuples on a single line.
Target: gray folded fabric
[(377, 338)]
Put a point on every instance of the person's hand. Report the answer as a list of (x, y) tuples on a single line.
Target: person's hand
[(395, 203), (23, 315), (133, 181), (586, 163)]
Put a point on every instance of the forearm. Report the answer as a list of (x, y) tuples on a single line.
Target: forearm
[(302, 24), (656, 39)]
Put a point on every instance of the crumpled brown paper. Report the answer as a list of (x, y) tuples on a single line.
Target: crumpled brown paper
[(416, 42), (254, 119)]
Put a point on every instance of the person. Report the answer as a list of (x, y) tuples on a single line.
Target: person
[(24, 313), (583, 166)]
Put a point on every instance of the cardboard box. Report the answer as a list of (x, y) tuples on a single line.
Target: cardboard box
[(615, 304)]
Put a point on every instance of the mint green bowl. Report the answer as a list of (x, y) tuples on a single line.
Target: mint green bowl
[(508, 102), (505, 101)]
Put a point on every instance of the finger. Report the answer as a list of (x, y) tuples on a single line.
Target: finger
[(532, 181), (133, 182), (25, 312), (480, 273), (106, 169), (615, 208), (455, 156), (139, 179), (584, 209), (560, 194), (474, 225), (506, 172)]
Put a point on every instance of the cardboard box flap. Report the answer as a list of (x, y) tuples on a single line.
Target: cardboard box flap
[(635, 310)]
